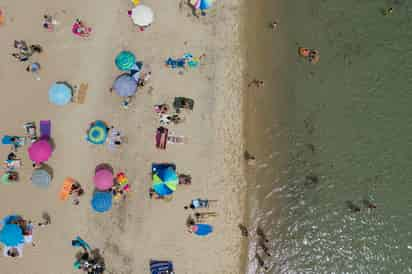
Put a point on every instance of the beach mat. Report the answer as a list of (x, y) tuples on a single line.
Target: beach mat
[(161, 137), (45, 129), (66, 188), (80, 94)]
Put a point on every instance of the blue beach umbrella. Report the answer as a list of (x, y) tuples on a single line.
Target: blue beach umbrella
[(125, 60), (97, 133), (164, 181), (125, 85), (101, 201), (11, 235), (60, 94)]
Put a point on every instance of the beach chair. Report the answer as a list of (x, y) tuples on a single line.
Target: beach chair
[(45, 129), (161, 137), (161, 267), (183, 102), (80, 94), (66, 188), (30, 128), (173, 139)]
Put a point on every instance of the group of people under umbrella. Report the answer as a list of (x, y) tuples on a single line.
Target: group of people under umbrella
[(15, 232)]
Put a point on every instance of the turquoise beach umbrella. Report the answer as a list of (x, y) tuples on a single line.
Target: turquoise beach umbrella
[(125, 60), (11, 235), (97, 133), (60, 94)]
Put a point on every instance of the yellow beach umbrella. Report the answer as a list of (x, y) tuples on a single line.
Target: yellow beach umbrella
[(135, 2)]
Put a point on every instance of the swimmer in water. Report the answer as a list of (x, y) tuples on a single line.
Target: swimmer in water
[(387, 11)]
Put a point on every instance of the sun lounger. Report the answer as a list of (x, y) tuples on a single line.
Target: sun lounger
[(30, 128), (66, 188), (161, 267), (183, 102), (45, 129), (173, 139), (161, 137), (80, 94)]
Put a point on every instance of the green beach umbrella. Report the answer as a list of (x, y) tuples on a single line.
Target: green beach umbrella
[(125, 60)]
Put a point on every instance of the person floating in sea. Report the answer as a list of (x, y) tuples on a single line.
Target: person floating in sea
[(273, 25), (368, 204), (387, 11), (255, 82), (352, 206)]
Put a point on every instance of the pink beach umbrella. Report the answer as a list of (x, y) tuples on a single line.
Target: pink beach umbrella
[(103, 179), (40, 151)]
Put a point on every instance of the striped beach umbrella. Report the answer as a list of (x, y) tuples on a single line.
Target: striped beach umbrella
[(125, 60), (97, 133), (60, 94)]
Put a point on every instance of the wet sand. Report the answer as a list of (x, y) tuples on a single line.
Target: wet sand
[(139, 229)]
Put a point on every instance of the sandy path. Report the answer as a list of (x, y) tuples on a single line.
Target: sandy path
[(140, 229)]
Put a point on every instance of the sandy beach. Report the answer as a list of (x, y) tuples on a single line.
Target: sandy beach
[(139, 229)]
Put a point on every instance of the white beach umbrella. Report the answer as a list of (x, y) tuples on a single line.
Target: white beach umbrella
[(142, 15)]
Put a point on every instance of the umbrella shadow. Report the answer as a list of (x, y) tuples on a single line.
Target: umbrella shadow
[(103, 166), (67, 84), (49, 170)]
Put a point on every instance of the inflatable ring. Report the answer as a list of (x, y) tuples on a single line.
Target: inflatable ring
[(314, 57), (304, 52)]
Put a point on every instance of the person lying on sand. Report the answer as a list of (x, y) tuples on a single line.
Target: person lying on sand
[(199, 203)]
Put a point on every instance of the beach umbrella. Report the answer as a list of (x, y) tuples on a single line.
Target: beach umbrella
[(11, 235), (103, 179), (101, 201), (125, 85), (165, 181), (202, 4), (41, 178), (40, 151), (142, 15), (60, 94), (125, 60), (97, 133)]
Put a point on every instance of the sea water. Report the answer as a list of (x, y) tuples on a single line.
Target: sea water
[(336, 132)]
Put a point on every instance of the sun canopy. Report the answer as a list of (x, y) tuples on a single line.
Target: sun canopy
[(164, 181), (11, 235), (125, 60), (60, 94), (40, 151), (97, 133), (101, 201), (41, 178), (142, 15), (103, 179), (125, 85)]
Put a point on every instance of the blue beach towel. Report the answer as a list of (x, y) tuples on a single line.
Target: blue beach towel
[(161, 267), (203, 229)]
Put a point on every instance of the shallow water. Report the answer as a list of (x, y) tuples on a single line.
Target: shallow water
[(346, 121)]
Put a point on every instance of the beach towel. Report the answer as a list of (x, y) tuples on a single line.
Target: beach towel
[(7, 140), (176, 63), (161, 267), (202, 229), (45, 129), (79, 242), (161, 137), (66, 188)]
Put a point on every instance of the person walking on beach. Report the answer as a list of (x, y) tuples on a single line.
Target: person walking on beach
[(265, 249), (261, 234), (260, 261), (273, 25), (352, 206), (243, 230)]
